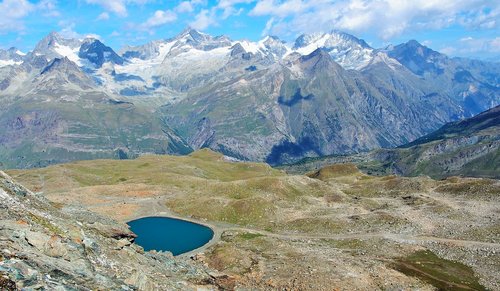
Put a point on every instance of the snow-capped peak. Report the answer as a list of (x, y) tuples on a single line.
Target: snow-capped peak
[(88, 52), (347, 50), (190, 34), (269, 46), (69, 52), (11, 57)]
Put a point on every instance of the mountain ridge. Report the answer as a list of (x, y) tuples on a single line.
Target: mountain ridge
[(469, 147), (332, 94)]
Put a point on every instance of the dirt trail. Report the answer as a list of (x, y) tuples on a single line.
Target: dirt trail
[(156, 207), (384, 235)]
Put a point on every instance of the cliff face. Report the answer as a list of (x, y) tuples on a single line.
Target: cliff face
[(44, 245)]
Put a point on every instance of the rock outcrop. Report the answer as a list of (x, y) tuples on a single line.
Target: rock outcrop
[(49, 247)]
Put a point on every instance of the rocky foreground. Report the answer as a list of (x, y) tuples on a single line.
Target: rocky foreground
[(45, 248), (335, 228)]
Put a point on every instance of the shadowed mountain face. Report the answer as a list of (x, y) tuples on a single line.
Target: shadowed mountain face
[(311, 106), (419, 59), (327, 94), (98, 54), (470, 147)]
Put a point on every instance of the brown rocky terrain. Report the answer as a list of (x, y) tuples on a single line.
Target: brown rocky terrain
[(335, 229), (45, 246)]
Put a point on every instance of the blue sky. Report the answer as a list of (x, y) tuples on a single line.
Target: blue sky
[(458, 28)]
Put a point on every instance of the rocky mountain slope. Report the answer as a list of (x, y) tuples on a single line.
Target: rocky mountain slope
[(53, 111), (56, 247), (327, 94), (311, 106), (469, 147)]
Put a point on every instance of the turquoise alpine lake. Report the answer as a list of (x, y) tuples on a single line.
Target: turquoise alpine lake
[(170, 234)]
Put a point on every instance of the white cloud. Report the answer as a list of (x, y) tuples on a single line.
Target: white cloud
[(12, 13), (118, 7), (281, 9), (16, 8), (209, 17), (448, 50), (204, 19), (269, 25), (49, 8), (387, 18), (159, 18), (228, 7), (103, 16), (427, 43), (476, 45), (184, 6), (483, 48), (93, 35), (68, 31)]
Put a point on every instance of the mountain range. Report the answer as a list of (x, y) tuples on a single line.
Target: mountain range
[(327, 93)]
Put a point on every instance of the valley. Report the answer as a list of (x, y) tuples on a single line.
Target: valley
[(469, 147), (334, 227)]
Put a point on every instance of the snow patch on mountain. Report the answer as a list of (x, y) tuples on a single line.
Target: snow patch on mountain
[(250, 47), (4, 63), (347, 50), (68, 52), (382, 57)]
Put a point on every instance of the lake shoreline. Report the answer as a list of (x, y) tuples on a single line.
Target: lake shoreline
[(217, 231)]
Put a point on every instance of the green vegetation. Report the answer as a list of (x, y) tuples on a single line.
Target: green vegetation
[(334, 171), (46, 224), (72, 131), (334, 210), (441, 273), (248, 235), (484, 188)]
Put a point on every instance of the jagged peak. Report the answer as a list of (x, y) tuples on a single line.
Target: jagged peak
[(12, 50), (414, 43), (318, 53), (60, 63), (193, 34), (91, 39), (53, 35), (306, 39), (11, 54), (350, 37), (272, 40), (49, 40), (415, 47)]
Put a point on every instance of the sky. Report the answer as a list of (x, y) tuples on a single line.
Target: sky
[(467, 28)]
